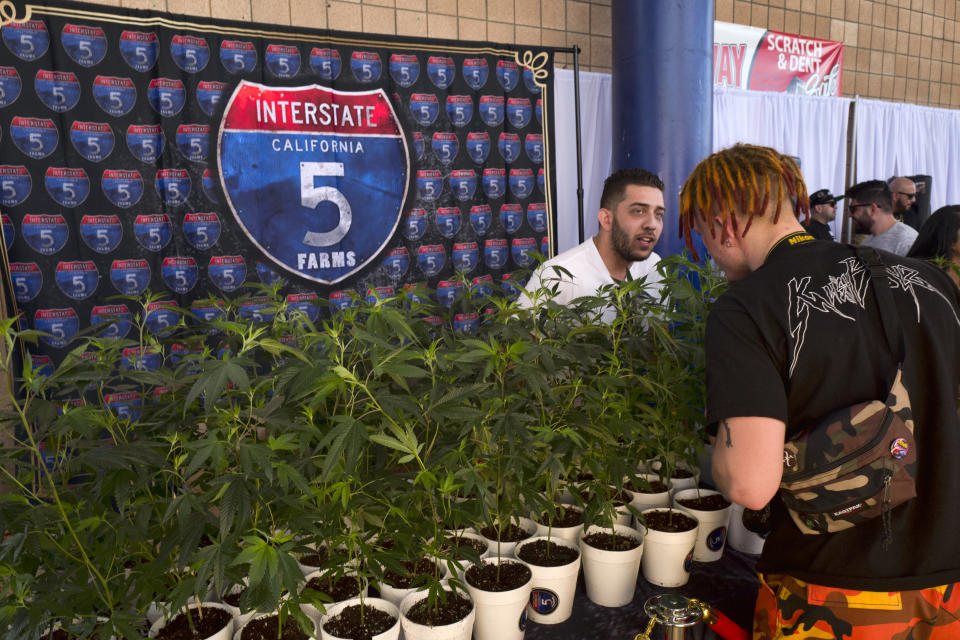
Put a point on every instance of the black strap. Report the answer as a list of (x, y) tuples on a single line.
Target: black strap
[(889, 316)]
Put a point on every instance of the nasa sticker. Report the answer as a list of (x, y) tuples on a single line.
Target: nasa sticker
[(145, 141), (466, 322), (511, 216), (201, 229), (715, 538), (85, 45), (491, 110), (92, 140), (495, 183), (193, 141), (161, 316), (537, 216), (101, 233), (448, 221), (534, 146), (507, 74), (305, 303), (417, 145), (521, 182), (431, 258), (123, 187), (460, 110), (9, 233), (68, 187), (480, 219), (173, 185), (10, 86), (166, 96), (26, 40), (210, 94), (447, 291), (522, 251), (478, 146), (179, 273), (115, 95), (61, 325), (445, 146), (466, 256), (227, 272), (153, 232), (404, 69), (475, 72), (59, 90), (365, 65), (209, 187), (544, 601), (397, 262), (519, 112), (530, 81), (282, 60), (238, 56), (429, 185), (509, 146), (77, 279), (424, 108), (464, 183), (140, 50), (414, 224), (130, 277), (190, 53), (116, 318), (27, 280), (325, 63), (331, 153), (495, 253), (15, 184), (35, 137)]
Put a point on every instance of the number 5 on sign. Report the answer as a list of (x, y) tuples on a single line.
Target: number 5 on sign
[(311, 196)]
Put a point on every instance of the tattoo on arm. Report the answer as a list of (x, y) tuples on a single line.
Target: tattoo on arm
[(726, 426)]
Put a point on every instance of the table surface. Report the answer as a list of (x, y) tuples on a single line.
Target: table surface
[(729, 585)]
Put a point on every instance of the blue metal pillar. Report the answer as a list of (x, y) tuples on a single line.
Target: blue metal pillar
[(663, 94)]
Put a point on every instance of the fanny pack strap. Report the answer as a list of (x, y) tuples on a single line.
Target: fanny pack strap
[(889, 316)]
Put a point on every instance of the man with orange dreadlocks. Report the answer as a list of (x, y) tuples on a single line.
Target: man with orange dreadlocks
[(798, 336)]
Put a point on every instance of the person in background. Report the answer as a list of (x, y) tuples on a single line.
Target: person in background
[(871, 207), (797, 336), (823, 210), (904, 192), (939, 240), (630, 221)]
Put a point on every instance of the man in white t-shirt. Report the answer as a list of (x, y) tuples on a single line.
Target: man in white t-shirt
[(631, 219), (870, 204)]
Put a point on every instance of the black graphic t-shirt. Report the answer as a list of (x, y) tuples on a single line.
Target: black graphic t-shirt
[(801, 337)]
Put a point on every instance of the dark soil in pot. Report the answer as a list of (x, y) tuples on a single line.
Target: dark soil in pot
[(712, 502), (422, 567), (233, 599), (650, 486), (347, 624), (609, 542), (667, 521), (547, 554), (339, 589), (314, 559), (464, 543), (759, 522), (619, 498), (456, 608), (681, 474), (206, 622), (563, 518), (266, 629), (512, 576), (510, 533)]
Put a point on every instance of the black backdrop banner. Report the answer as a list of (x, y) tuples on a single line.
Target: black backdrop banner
[(190, 156)]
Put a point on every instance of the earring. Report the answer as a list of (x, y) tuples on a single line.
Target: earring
[(726, 243)]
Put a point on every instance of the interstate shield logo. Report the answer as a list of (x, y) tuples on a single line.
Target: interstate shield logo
[(323, 155), (85, 45), (543, 601), (10, 85), (93, 140)]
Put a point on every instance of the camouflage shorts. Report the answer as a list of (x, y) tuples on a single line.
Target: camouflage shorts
[(790, 608)]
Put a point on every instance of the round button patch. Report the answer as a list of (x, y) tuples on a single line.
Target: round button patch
[(544, 601), (899, 448), (716, 538)]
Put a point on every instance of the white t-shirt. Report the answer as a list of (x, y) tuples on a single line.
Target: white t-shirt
[(587, 274), (897, 239)]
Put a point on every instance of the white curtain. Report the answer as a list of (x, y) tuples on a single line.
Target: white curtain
[(894, 139), (596, 137), (811, 128)]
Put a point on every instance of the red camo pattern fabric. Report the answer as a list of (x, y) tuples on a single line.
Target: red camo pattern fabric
[(790, 608)]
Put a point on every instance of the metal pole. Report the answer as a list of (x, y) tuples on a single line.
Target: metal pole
[(576, 103)]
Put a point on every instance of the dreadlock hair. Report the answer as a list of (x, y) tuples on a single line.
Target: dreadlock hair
[(741, 179), (615, 186)]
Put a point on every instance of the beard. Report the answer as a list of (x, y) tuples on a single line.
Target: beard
[(621, 244), (859, 226)]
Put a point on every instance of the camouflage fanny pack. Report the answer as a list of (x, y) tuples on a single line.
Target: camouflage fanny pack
[(860, 461)]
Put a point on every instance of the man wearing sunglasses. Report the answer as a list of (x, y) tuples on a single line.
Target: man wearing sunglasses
[(904, 192), (870, 206)]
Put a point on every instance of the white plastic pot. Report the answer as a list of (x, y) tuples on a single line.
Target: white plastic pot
[(225, 633), (611, 576), (571, 534), (669, 554), (643, 501), (459, 630), (393, 633), (712, 534), (501, 615), (312, 612), (250, 618), (741, 538), (455, 568), (551, 600), (240, 617), (506, 548), (679, 484), (396, 595)]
